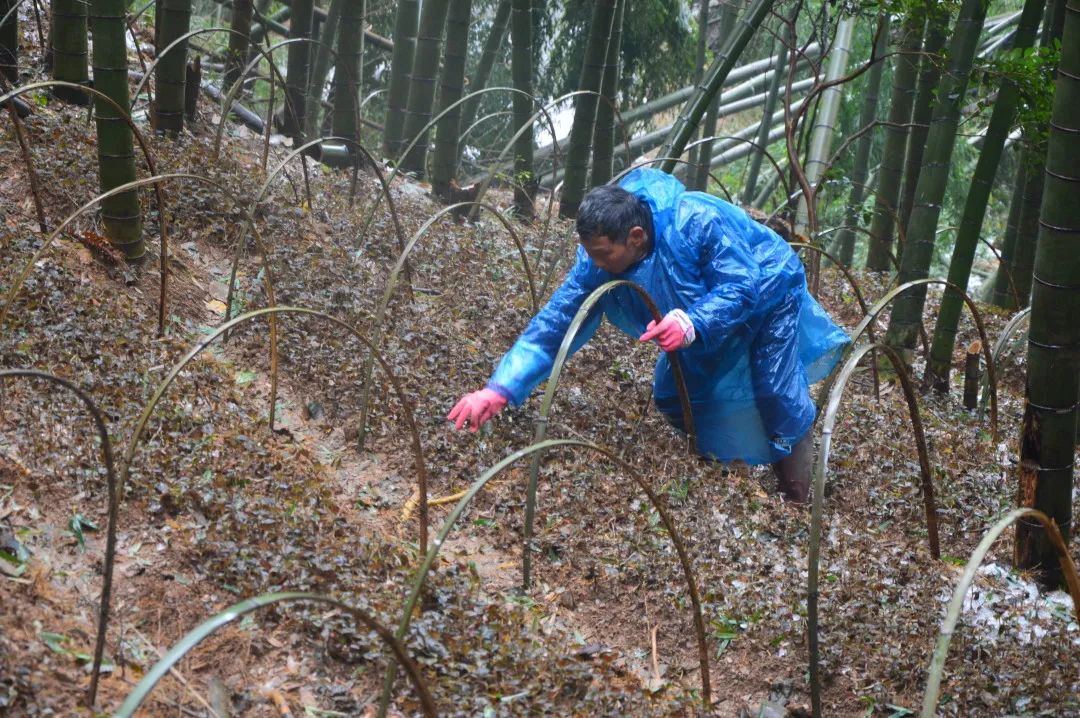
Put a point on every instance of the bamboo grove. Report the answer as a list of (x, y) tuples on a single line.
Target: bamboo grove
[(936, 144)]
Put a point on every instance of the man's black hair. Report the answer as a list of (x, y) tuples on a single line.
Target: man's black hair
[(611, 211)]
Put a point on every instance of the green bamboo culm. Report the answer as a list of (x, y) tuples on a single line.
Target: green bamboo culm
[(729, 13), (69, 49), (700, 56), (1012, 283), (581, 131), (1048, 438), (967, 238), (171, 72), (451, 84), (1027, 224), (239, 41), (1002, 294), (425, 73), (401, 63), (321, 67), (926, 88), (919, 249), (347, 74), (120, 214), (492, 44), (695, 107), (298, 66), (521, 70), (604, 131), (754, 171), (890, 174), (845, 238), (9, 42)]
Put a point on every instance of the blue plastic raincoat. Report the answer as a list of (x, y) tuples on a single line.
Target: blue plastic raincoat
[(761, 338)]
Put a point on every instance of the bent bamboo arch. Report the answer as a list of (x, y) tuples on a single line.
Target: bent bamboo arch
[(261, 194), (482, 190), (113, 510), (151, 167), (755, 145), (392, 281), (991, 376), (820, 471), (956, 605), (208, 627), (156, 180), (669, 524), (674, 160), (549, 397), (140, 424)]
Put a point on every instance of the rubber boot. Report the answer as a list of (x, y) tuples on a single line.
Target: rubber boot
[(793, 472)]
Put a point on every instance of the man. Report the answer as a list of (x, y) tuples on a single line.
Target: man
[(733, 295)]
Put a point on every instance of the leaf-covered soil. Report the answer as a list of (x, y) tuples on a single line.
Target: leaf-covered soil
[(219, 507)]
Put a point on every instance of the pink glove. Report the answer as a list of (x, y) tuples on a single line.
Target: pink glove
[(674, 331), (476, 408)]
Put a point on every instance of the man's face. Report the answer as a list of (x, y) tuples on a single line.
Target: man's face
[(616, 257)]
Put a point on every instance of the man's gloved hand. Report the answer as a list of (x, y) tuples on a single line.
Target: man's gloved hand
[(674, 331), (476, 408)]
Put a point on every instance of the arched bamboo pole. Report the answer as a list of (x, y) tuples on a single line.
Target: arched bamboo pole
[(418, 455), (669, 524), (544, 111), (549, 397), (999, 346), (208, 627), (673, 160), (975, 315), (956, 605), (150, 165), (820, 471), (763, 150), (264, 188), (392, 281), (110, 529)]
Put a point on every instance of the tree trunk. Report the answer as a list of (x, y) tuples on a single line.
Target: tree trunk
[(444, 158), (824, 127), (604, 132), (1048, 440), (937, 32), (729, 14), (581, 132), (171, 72), (521, 69), (422, 87), (492, 45), (321, 67), (1002, 295), (1027, 225), (750, 188), (401, 63), (700, 58), (347, 77), (69, 33), (695, 107), (9, 42), (116, 154), (296, 77), (918, 252), (886, 201), (967, 238), (845, 238), (238, 43)]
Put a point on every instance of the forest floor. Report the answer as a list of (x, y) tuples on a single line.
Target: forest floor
[(219, 508)]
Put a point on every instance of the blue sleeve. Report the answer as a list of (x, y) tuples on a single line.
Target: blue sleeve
[(530, 360), (732, 276)]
